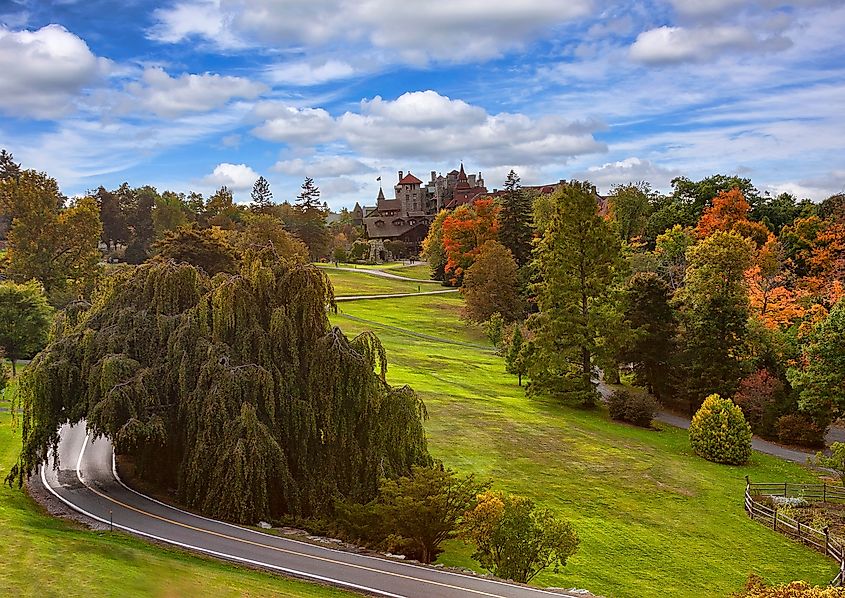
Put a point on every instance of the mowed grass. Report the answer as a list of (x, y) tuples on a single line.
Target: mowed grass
[(347, 283), (654, 519), (42, 556), (417, 270)]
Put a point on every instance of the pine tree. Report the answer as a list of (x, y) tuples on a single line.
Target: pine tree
[(262, 197), (309, 222), (578, 260), (9, 169), (515, 220), (309, 196)]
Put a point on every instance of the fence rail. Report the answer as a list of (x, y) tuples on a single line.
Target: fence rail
[(819, 539)]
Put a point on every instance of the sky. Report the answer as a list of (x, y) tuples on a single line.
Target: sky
[(189, 95)]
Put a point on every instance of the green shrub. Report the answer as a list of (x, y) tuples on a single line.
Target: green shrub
[(637, 408), (719, 432)]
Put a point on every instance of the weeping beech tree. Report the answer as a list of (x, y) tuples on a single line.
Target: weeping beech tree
[(234, 390)]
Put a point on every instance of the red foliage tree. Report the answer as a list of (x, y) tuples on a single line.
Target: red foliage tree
[(464, 232)]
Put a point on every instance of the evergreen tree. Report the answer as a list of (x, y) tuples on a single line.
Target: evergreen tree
[(652, 319), (262, 197), (516, 355), (9, 169), (515, 220), (201, 247), (578, 261), (714, 317), (309, 220)]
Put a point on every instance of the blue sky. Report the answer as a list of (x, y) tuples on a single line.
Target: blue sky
[(192, 94)]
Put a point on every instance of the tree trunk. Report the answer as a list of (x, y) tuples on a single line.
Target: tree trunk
[(14, 367)]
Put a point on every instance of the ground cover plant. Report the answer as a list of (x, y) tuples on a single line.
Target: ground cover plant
[(48, 557), (653, 518)]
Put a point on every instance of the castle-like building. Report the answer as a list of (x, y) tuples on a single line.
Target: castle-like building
[(408, 214)]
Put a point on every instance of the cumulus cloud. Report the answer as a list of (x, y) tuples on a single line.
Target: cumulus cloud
[(237, 177), (629, 170), (324, 167), (672, 45), (432, 126), (45, 70), (414, 31), (169, 96)]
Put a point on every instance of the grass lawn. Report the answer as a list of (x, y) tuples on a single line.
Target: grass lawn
[(359, 283), (654, 519), (417, 270), (43, 556)]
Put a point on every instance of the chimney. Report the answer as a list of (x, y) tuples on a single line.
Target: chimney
[(433, 175), (401, 174)]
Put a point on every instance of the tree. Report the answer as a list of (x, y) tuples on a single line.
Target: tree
[(819, 376), (9, 169), (220, 210), (578, 261), (714, 313), (413, 515), (631, 207), (204, 248), (671, 250), (234, 390), (465, 230), (433, 250), (54, 245), (115, 227), (517, 353), (780, 211), (262, 197), (308, 220), (515, 220), (727, 210), (718, 432), (774, 303), (494, 328), (5, 372), (762, 398), (263, 230), (517, 540), (491, 285), (834, 461), (169, 213), (649, 313), (698, 195), (25, 318)]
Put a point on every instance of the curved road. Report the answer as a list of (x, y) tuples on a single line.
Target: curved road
[(87, 482)]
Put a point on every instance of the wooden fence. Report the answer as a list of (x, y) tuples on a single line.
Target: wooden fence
[(820, 539)]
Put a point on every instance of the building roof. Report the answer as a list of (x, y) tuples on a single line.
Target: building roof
[(410, 179)]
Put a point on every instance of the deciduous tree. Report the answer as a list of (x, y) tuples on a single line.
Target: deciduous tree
[(25, 318), (465, 230), (204, 248), (491, 285), (630, 205)]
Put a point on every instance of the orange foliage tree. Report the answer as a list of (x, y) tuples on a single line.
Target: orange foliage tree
[(464, 232), (729, 212), (768, 295)]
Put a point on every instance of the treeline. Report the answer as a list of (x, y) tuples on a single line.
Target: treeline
[(711, 289), (62, 243)]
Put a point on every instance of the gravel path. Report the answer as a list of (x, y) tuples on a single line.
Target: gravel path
[(381, 273)]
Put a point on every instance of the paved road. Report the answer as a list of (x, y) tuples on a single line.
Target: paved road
[(381, 273), (87, 482), (392, 296)]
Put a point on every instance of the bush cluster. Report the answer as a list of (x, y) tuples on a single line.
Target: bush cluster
[(719, 432), (799, 429), (755, 587), (635, 408)]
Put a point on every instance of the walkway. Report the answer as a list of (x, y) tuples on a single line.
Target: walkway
[(381, 273), (392, 296)]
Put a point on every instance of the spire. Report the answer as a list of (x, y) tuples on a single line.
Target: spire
[(462, 176), (380, 194)]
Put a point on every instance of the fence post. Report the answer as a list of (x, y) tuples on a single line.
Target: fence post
[(799, 531), (826, 540), (775, 519), (784, 488), (824, 492)]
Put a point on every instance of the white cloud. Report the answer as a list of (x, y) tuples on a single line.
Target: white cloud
[(169, 96), (44, 71), (629, 170), (307, 73), (427, 125), (324, 167), (672, 45), (237, 177), (410, 31), (293, 125)]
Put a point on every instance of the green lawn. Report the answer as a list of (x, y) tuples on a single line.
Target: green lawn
[(43, 556), (654, 519), (418, 271), (358, 283)]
